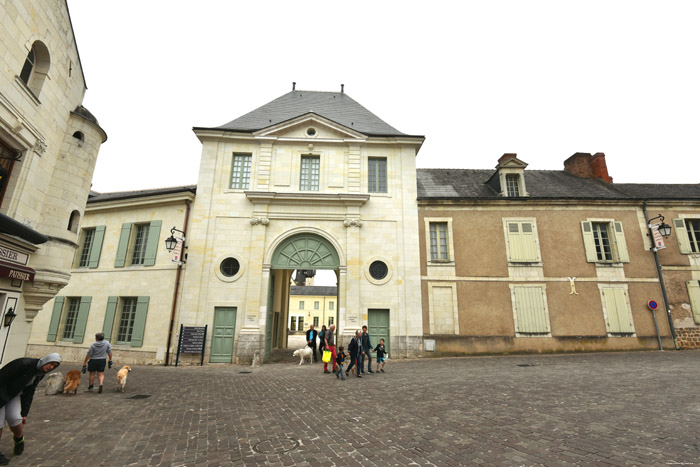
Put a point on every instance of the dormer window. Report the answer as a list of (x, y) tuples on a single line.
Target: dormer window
[(513, 185)]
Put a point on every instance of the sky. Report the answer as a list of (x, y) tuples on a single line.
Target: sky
[(479, 79)]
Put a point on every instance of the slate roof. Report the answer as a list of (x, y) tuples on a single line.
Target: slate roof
[(96, 197), (335, 106), (313, 290), (457, 184)]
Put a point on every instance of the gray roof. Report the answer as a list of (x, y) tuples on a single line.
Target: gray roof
[(96, 197), (544, 184), (335, 106), (313, 290)]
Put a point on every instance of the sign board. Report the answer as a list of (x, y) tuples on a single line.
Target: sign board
[(177, 251), (8, 254), (652, 304), (192, 340), (658, 239)]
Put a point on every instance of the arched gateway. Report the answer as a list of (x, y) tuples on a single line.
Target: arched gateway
[(300, 251)]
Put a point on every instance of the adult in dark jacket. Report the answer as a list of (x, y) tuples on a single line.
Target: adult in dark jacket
[(18, 381), (355, 349), (311, 340), (366, 351)]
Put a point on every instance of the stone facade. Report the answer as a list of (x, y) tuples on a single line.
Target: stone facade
[(50, 146)]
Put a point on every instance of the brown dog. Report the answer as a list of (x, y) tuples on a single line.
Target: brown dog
[(72, 382), (121, 378)]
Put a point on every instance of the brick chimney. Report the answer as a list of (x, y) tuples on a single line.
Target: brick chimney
[(584, 165)]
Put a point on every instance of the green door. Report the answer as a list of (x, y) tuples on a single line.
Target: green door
[(378, 327), (268, 316), (222, 336)]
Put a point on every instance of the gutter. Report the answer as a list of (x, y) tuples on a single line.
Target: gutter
[(177, 289)]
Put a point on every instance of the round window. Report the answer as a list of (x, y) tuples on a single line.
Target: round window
[(311, 132), (378, 270), (229, 267)]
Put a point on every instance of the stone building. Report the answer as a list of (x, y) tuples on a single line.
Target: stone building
[(313, 304), (48, 148), (516, 260)]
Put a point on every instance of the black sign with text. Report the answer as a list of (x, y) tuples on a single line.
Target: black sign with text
[(192, 339)]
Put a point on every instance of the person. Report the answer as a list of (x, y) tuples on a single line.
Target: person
[(329, 337), (381, 356), (366, 351), (311, 340), (322, 340), (340, 359), (18, 381), (96, 359), (355, 349)]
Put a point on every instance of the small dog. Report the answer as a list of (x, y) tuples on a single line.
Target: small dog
[(304, 352), (72, 382), (121, 378), (55, 383)]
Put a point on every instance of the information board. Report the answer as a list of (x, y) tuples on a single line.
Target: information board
[(192, 339)]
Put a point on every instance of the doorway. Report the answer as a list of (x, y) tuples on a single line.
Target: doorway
[(378, 326), (222, 335)]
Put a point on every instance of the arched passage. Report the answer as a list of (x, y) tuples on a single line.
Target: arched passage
[(300, 251)]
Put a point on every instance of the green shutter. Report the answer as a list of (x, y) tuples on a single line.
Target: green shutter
[(123, 246), (589, 241), (139, 322), (81, 321), (617, 307), (109, 316), (622, 254), (96, 248), (530, 309), (55, 318), (682, 236), (694, 294), (152, 244)]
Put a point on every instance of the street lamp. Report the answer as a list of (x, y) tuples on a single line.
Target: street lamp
[(663, 228), (171, 242)]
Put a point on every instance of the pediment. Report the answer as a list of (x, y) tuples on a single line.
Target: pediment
[(509, 161), (310, 127)]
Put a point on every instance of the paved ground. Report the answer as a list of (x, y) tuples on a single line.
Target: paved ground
[(584, 409)]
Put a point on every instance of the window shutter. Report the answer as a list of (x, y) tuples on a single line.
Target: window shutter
[(55, 318), (123, 246), (81, 321), (139, 322), (529, 242), (94, 259), (694, 294), (682, 236), (152, 244), (109, 317), (529, 307), (616, 305), (589, 241), (622, 253), (514, 242)]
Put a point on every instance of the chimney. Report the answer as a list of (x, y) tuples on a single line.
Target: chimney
[(294, 85), (342, 88), (583, 165), (506, 157)]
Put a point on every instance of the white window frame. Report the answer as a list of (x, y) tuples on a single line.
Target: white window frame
[(455, 305), (617, 257)]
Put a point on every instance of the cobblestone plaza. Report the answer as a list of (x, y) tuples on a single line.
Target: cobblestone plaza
[(584, 409)]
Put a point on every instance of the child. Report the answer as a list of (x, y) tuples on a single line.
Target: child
[(381, 359), (339, 361)]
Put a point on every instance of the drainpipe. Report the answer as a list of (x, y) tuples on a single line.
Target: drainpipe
[(177, 288), (661, 279)]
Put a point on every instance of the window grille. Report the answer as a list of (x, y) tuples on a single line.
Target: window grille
[(71, 318), (310, 170), (601, 237), (87, 246), (126, 320), (140, 241), (692, 226), (512, 185), (376, 176), (438, 241), (240, 173)]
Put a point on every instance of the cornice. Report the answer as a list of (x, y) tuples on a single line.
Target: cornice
[(162, 200), (345, 199)]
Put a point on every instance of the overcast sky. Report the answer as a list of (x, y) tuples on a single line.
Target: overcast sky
[(478, 79)]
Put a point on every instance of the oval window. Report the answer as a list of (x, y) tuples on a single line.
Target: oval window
[(311, 132), (378, 270), (229, 267)]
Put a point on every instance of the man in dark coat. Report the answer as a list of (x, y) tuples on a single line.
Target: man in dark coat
[(18, 381), (355, 349), (311, 340)]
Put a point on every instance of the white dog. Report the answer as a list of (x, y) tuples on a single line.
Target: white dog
[(303, 353)]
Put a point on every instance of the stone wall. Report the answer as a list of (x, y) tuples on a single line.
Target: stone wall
[(688, 338)]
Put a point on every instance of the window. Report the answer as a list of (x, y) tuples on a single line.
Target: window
[(138, 255), (315, 321), (512, 185), (240, 172), (438, 241), (376, 171), (68, 319), (7, 156), (310, 170), (316, 305), (35, 68), (530, 309), (229, 267), (74, 221), (521, 239), (127, 316), (442, 308), (331, 305), (693, 228), (139, 243), (301, 304), (330, 320), (71, 319), (694, 296), (378, 270), (604, 242), (88, 237), (617, 310)]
